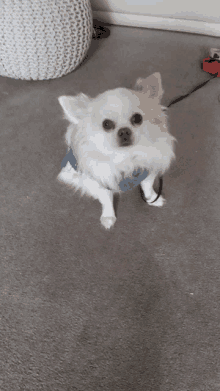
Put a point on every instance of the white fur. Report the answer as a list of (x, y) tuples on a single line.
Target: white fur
[(101, 161), (149, 193)]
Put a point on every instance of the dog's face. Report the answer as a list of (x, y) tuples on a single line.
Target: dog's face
[(116, 116), (116, 120)]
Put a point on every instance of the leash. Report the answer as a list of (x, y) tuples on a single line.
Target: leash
[(173, 102), (194, 89)]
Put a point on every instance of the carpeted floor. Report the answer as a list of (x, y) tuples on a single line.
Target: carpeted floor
[(136, 308)]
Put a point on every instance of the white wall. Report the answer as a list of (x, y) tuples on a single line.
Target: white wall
[(199, 10)]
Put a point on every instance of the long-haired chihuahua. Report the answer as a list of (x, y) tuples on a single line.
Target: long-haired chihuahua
[(116, 141)]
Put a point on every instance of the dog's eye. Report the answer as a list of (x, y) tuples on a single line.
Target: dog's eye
[(108, 124), (136, 119)]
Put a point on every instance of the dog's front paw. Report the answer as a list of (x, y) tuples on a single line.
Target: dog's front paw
[(108, 222), (160, 202)]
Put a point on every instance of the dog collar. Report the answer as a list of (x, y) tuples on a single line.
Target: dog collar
[(127, 183)]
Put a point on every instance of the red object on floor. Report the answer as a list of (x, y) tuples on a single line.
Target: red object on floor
[(212, 66)]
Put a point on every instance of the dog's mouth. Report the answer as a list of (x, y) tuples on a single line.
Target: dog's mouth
[(126, 144)]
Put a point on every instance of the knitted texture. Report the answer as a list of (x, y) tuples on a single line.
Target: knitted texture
[(43, 39)]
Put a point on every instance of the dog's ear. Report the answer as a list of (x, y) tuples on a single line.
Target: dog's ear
[(74, 106), (151, 86)]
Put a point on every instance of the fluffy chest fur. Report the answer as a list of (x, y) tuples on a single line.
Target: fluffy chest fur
[(127, 182)]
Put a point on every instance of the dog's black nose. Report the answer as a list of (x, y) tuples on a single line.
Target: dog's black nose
[(124, 135)]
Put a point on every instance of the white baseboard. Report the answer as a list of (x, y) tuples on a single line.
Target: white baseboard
[(161, 23)]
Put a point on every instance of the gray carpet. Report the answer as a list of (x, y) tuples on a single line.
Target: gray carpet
[(136, 308)]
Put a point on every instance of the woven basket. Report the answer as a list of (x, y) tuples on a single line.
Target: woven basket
[(43, 39)]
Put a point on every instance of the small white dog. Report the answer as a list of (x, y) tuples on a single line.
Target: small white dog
[(116, 139)]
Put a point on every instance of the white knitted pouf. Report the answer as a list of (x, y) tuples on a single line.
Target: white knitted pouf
[(43, 39)]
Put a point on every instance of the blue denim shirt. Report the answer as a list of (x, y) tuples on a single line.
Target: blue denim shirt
[(126, 183)]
